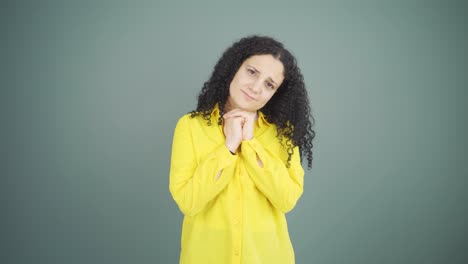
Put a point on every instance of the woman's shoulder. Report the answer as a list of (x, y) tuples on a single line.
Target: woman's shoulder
[(184, 117), (199, 128), (191, 119)]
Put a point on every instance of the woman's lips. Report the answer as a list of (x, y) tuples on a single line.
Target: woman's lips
[(248, 96)]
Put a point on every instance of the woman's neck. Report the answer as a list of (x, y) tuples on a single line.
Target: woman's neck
[(228, 107)]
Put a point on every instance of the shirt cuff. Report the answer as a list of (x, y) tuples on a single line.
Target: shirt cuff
[(224, 156)]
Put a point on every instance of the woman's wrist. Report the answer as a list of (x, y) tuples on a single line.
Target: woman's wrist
[(231, 149)]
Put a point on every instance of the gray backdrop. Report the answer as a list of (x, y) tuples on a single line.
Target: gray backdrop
[(92, 92)]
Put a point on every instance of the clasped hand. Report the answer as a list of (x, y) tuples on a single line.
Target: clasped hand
[(238, 126)]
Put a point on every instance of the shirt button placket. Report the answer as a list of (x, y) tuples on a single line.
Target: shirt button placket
[(237, 228), (236, 235)]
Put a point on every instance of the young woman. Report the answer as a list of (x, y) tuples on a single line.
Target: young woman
[(236, 160)]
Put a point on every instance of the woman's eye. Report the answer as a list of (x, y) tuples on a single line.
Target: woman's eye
[(270, 85), (251, 71)]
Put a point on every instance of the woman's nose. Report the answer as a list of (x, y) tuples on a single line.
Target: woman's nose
[(256, 86)]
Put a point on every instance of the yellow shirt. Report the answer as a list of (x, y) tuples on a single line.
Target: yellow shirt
[(239, 218)]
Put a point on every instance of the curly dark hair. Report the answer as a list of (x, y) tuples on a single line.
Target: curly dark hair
[(289, 107)]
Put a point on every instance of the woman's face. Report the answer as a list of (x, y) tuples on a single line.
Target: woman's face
[(255, 82)]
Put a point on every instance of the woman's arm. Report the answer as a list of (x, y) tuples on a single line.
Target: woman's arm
[(193, 184), (281, 185)]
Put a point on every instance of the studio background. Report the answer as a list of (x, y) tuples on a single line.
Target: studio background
[(92, 91)]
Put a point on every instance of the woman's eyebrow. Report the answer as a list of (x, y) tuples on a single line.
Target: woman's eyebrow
[(269, 78), (254, 68)]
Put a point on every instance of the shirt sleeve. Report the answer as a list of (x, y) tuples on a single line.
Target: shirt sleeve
[(281, 185), (193, 183)]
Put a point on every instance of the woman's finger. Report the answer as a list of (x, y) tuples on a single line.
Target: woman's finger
[(232, 112), (238, 112)]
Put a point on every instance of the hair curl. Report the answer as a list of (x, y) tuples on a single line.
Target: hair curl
[(288, 108)]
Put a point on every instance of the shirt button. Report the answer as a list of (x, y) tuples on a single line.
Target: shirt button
[(236, 221), (236, 252)]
